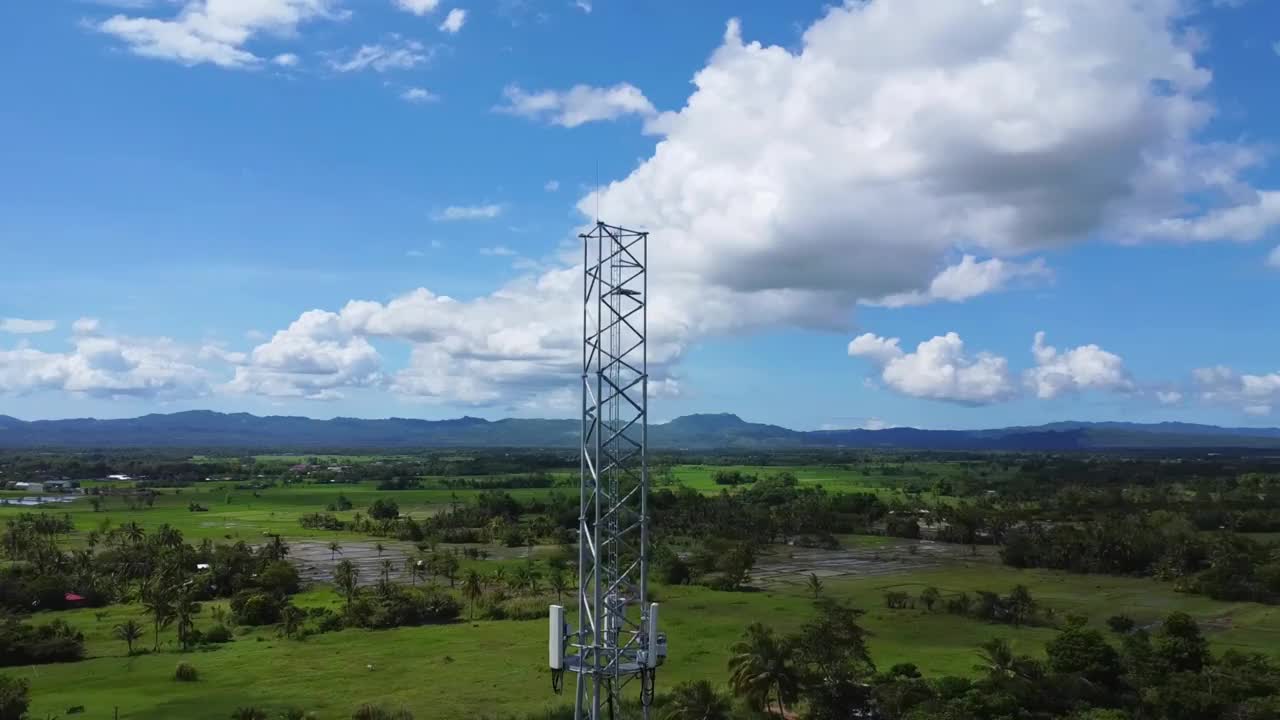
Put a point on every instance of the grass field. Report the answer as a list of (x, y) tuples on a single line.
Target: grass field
[(248, 514), (882, 480), (471, 669), (463, 669)]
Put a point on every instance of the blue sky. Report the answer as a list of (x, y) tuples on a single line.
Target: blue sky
[(257, 205)]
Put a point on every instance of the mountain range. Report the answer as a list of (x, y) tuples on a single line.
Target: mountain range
[(207, 429)]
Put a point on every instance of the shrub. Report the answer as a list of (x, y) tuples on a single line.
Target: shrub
[(279, 578), (377, 712), (674, 571), (514, 537), (1121, 624), (400, 606), (384, 509), (255, 608), (217, 634), (14, 697), (37, 644), (896, 599), (525, 608), (185, 672), (325, 620), (249, 713)]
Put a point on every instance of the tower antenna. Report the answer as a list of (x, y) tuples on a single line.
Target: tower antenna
[(616, 640)]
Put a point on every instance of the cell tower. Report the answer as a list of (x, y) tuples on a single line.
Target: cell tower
[(616, 639)]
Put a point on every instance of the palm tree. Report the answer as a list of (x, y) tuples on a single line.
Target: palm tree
[(929, 596), (697, 701), (387, 566), (379, 547), (276, 549), (168, 536), (291, 619), (346, 576), (184, 610), (411, 569), (814, 585), (132, 531), (526, 578), (130, 631), (161, 610), (761, 668), (448, 567), (473, 589), (998, 660), (335, 548), (499, 576), (559, 582)]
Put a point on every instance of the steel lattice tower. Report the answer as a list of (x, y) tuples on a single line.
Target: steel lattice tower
[(616, 638)]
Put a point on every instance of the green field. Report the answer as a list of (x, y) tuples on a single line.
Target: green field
[(249, 514), (882, 480), (466, 668)]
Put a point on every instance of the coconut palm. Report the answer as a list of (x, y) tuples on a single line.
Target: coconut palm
[(998, 660), (559, 582), (697, 701), (473, 589), (387, 566), (276, 549), (380, 548), (130, 631), (929, 596), (132, 531), (184, 611), (814, 585), (761, 669), (335, 549), (161, 609), (291, 619), (346, 576)]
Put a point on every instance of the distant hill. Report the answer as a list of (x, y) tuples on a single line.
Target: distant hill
[(207, 429)]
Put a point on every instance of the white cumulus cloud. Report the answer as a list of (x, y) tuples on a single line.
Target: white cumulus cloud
[(578, 105), (468, 212), (939, 369), (1087, 367), (897, 136), (22, 326), (312, 358), (402, 55), (968, 279), (1254, 394), (418, 7), (216, 31), (86, 326), (453, 21), (418, 95), (899, 133), (102, 366)]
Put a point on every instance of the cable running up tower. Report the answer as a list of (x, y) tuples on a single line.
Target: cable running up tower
[(616, 639)]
